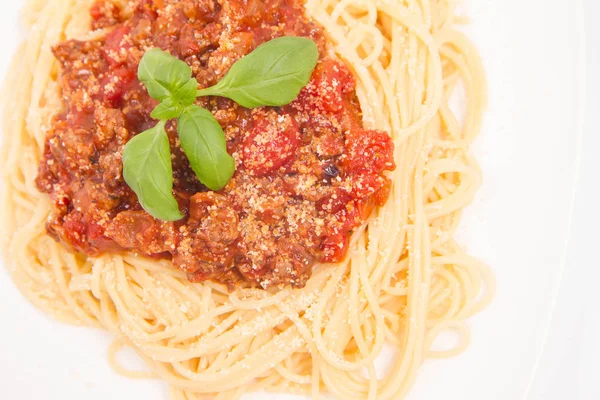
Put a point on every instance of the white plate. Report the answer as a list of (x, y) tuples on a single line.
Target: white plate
[(519, 224)]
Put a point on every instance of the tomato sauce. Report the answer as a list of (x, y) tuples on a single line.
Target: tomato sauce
[(307, 174)]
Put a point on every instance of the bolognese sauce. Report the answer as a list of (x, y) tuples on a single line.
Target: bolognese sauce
[(307, 174)]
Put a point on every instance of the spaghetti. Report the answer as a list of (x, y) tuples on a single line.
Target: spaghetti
[(404, 281)]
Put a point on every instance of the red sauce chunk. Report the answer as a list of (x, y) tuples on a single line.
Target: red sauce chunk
[(307, 174)]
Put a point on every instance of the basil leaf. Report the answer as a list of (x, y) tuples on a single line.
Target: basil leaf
[(272, 75), (166, 110), (186, 94), (166, 76), (203, 142), (148, 172)]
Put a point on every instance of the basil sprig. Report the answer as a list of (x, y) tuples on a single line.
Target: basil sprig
[(272, 75)]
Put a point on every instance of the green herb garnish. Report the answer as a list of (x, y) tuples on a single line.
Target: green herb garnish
[(203, 142), (147, 170), (272, 75), (167, 78)]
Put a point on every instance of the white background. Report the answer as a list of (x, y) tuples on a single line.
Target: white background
[(570, 366), (528, 222)]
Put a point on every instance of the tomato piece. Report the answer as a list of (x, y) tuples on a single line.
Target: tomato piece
[(115, 84), (334, 202), (369, 150), (104, 14), (335, 247), (74, 231), (116, 45), (188, 44), (329, 82), (97, 238), (366, 184), (272, 142), (384, 193)]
